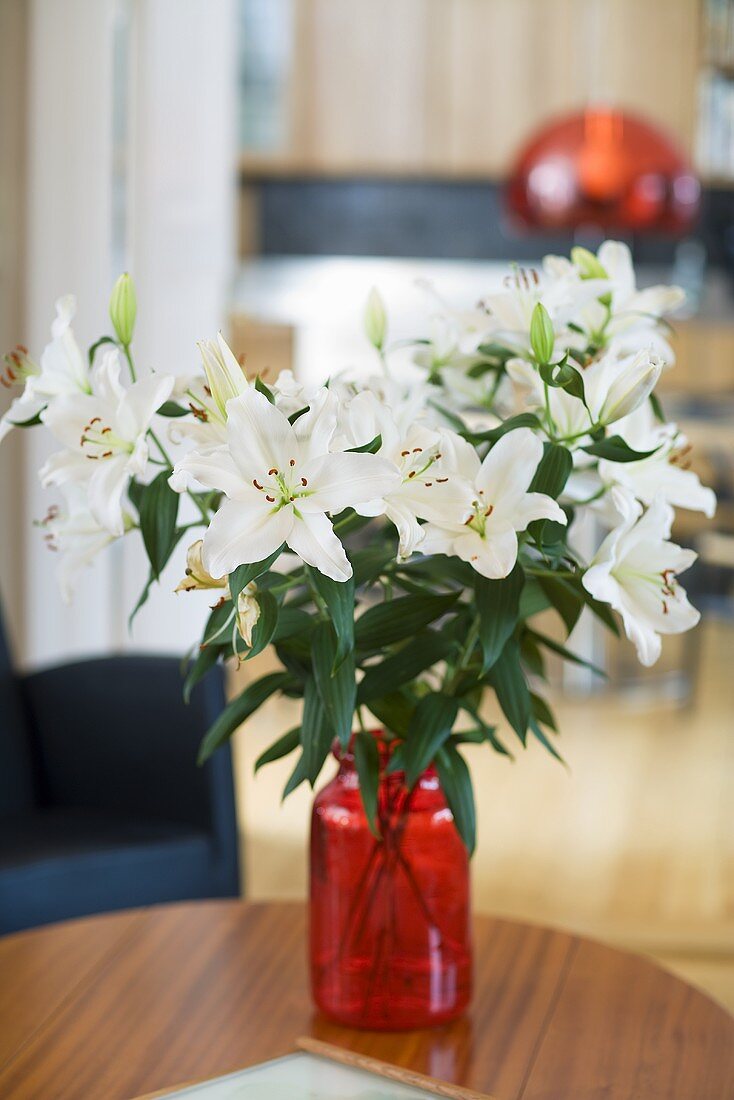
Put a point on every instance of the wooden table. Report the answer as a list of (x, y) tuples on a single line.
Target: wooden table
[(112, 1007)]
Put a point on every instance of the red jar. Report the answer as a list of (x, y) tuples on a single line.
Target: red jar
[(390, 920)]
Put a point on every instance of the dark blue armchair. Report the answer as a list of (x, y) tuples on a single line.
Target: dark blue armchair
[(102, 805)]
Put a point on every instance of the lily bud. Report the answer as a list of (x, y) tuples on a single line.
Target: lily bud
[(197, 576), (587, 263), (542, 336), (224, 374), (633, 385), (248, 612), (123, 309), (375, 319)]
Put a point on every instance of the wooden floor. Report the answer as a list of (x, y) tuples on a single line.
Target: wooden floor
[(632, 844)]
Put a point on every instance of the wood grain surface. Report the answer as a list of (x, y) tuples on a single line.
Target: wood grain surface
[(115, 1007)]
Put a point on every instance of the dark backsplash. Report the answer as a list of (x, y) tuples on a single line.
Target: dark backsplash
[(450, 220)]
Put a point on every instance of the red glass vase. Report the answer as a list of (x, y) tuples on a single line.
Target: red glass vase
[(389, 917)]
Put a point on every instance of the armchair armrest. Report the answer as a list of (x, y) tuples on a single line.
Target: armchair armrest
[(115, 734)]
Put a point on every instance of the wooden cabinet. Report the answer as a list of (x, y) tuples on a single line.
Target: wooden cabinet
[(453, 87)]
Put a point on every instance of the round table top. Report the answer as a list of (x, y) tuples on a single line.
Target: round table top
[(112, 1007)]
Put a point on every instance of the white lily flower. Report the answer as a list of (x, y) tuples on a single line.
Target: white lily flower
[(74, 532), (635, 571), (105, 433), (291, 395), (632, 318), (428, 488), (485, 533), (561, 290), (206, 429), (224, 374), (664, 473), (280, 481), (62, 370)]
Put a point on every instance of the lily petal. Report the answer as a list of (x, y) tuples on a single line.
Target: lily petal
[(106, 486), (313, 539), (240, 534), (259, 435), (346, 479), (493, 556), (214, 470), (140, 402), (509, 468)]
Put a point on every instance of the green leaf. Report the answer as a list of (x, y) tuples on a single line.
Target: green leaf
[(339, 599), (219, 623), (264, 628), (158, 514), (367, 448), (205, 660), (567, 602), (243, 574), (370, 563), (143, 597), (239, 710), (98, 344), (550, 478), (615, 449), (297, 414), (298, 776), (542, 712), (542, 336), (533, 599), (498, 605), (32, 421), (337, 687), (367, 760), (531, 655), (522, 420), (400, 618), (563, 375), (657, 408), (171, 408), (553, 471), (317, 734), (511, 689), (545, 741), (430, 728), (567, 655), (135, 492), (400, 668), (292, 622), (484, 732), (498, 352), (285, 744), (264, 390), (602, 610), (394, 710), (457, 788)]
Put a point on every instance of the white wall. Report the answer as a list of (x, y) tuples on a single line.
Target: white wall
[(182, 239), (175, 170)]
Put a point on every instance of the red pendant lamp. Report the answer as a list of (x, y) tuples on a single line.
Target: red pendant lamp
[(606, 169), (603, 168)]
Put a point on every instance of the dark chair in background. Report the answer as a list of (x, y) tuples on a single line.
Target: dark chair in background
[(102, 805)]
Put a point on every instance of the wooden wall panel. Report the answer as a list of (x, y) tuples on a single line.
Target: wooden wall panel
[(453, 87)]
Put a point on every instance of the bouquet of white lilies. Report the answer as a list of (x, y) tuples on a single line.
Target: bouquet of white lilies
[(394, 537)]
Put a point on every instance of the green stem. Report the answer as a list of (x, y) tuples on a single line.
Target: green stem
[(131, 365)]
